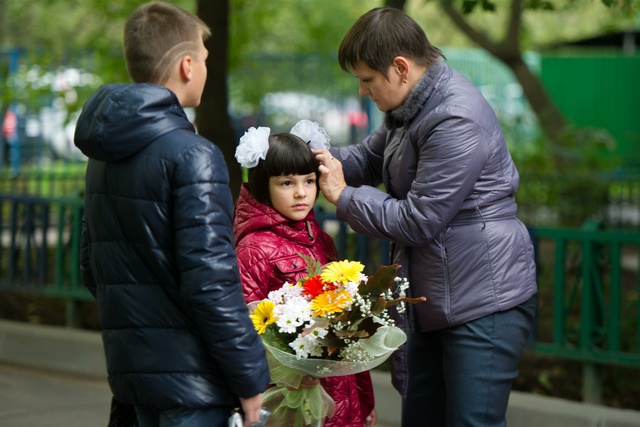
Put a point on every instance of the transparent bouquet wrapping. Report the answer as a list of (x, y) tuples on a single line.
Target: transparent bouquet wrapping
[(293, 406), (333, 322)]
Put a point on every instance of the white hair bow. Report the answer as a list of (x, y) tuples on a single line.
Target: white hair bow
[(254, 144), (311, 133)]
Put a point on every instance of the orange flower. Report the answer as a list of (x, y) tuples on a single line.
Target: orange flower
[(330, 302)]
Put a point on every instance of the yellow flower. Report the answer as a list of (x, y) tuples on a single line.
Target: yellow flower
[(262, 316), (330, 302), (342, 272)]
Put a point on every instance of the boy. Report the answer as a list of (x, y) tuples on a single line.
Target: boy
[(157, 249)]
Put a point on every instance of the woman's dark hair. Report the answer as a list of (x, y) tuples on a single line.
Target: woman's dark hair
[(287, 155), (380, 35)]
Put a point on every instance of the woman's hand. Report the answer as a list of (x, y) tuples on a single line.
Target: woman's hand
[(331, 176)]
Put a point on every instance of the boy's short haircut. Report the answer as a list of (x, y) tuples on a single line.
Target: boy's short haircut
[(380, 35), (287, 155), (156, 36)]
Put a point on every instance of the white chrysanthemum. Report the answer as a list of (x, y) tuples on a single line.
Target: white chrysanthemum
[(306, 346), (288, 290), (292, 315), (292, 290), (317, 333), (277, 296)]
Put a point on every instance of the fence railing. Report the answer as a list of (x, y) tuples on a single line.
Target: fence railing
[(589, 309), (40, 243), (593, 285)]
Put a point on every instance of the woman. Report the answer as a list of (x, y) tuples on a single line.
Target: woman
[(449, 212)]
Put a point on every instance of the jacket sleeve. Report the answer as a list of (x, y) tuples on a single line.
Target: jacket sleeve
[(367, 397), (209, 279), (255, 272), (451, 155)]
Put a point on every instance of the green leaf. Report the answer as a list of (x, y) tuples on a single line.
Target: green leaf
[(275, 339), (380, 282), (314, 267)]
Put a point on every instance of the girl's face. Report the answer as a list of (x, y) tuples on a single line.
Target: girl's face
[(293, 195), (386, 94)]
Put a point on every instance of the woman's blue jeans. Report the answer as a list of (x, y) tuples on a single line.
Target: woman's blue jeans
[(462, 376), (183, 417)]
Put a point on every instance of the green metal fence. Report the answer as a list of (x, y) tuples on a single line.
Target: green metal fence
[(589, 307), (594, 287), (589, 283), (40, 245)]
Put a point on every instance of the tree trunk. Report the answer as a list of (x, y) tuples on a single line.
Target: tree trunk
[(212, 117), (398, 4), (550, 118)]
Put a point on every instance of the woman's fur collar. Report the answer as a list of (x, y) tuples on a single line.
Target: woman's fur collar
[(406, 111)]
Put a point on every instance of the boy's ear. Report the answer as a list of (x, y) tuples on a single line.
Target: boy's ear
[(185, 67)]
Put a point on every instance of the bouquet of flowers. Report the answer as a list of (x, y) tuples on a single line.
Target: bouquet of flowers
[(333, 322)]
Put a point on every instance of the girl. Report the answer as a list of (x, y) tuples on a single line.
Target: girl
[(274, 225)]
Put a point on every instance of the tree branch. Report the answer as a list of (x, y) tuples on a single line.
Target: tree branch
[(459, 20)]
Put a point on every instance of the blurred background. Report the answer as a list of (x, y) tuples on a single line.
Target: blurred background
[(562, 76)]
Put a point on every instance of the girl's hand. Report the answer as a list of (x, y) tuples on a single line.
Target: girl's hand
[(370, 421), (307, 382)]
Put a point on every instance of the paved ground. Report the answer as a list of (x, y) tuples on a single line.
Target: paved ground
[(35, 398), (80, 397), (32, 398)]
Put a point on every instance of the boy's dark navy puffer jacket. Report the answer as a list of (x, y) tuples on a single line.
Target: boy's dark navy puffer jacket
[(158, 255)]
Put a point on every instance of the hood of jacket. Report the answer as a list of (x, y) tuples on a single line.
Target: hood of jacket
[(120, 120), (251, 216)]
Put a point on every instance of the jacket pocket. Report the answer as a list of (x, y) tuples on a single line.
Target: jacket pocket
[(467, 260), (291, 267)]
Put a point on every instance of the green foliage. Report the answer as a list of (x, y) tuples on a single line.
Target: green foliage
[(544, 22), (290, 26), (569, 182), (288, 45), (276, 339)]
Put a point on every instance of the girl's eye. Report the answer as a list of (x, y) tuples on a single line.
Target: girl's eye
[(311, 181), (286, 183)]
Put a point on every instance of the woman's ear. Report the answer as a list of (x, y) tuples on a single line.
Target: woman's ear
[(401, 67)]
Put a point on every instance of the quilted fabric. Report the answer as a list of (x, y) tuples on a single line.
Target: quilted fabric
[(269, 247)]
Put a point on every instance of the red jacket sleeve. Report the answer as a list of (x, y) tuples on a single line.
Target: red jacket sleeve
[(255, 272), (367, 398)]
